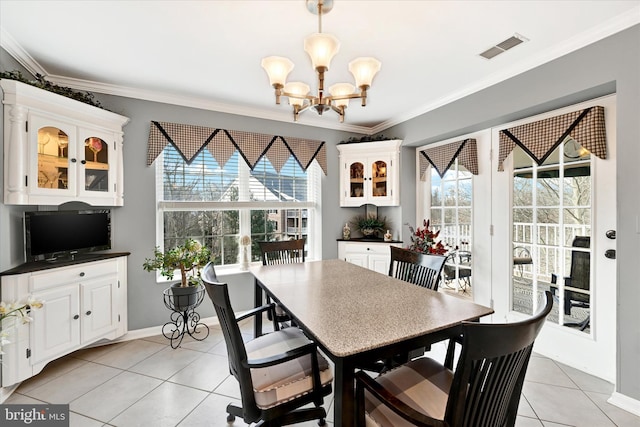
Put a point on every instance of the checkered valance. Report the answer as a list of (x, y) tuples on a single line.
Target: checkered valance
[(189, 140), (443, 156), (539, 139)]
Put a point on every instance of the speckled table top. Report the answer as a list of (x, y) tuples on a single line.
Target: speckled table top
[(350, 309)]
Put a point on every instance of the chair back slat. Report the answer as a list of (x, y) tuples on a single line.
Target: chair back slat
[(417, 268), (282, 252), (488, 379), (237, 354)]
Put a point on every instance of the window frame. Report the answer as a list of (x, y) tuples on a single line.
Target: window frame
[(313, 206)]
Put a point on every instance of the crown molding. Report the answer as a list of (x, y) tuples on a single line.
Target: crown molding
[(608, 28), (201, 103), (8, 43)]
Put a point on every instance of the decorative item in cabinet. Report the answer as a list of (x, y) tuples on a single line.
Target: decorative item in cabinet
[(370, 173), (58, 150)]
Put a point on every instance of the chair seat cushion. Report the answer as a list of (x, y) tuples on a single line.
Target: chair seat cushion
[(422, 384), (276, 384)]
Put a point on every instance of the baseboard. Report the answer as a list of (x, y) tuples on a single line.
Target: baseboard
[(625, 402), (156, 330)]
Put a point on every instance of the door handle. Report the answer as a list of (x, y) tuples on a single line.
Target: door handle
[(610, 253)]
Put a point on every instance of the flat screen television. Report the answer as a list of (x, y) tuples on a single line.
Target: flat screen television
[(50, 235)]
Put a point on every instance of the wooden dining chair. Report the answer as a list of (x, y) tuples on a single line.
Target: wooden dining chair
[(279, 373), (484, 390), (415, 267), (281, 252), (419, 269)]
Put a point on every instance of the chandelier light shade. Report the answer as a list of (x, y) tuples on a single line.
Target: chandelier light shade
[(341, 89), (321, 48), (298, 92)]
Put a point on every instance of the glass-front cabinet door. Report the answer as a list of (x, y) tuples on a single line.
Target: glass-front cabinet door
[(54, 164), (95, 176), (356, 180), (379, 178)]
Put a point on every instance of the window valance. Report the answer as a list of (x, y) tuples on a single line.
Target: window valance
[(539, 139), (189, 140), (443, 156)]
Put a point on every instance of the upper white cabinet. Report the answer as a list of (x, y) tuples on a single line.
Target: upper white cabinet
[(58, 150), (369, 173)]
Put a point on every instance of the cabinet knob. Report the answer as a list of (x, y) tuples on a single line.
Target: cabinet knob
[(73, 160), (84, 162), (82, 274), (88, 313), (368, 249), (76, 317)]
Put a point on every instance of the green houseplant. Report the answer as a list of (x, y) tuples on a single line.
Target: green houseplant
[(189, 258), (370, 225)]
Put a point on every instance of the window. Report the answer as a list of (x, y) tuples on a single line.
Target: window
[(451, 206), (217, 205)]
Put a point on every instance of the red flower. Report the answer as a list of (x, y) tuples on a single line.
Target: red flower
[(425, 241)]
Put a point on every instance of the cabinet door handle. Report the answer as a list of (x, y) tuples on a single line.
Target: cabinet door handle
[(88, 313), (76, 317)]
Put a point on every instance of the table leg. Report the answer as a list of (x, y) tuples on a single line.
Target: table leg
[(257, 323), (344, 393)]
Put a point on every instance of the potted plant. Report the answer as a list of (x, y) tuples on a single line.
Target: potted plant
[(189, 258), (370, 225)]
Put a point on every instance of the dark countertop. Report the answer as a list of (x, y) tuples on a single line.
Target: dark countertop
[(363, 240), (29, 267)]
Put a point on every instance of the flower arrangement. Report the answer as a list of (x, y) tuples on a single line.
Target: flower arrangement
[(17, 311), (189, 258), (426, 241)]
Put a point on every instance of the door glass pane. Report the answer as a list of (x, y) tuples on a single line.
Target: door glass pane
[(53, 158), (464, 192), (379, 178), (436, 190), (96, 168), (356, 179)]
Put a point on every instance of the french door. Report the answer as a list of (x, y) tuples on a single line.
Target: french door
[(553, 230)]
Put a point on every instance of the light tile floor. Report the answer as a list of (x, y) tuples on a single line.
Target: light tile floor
[(147, 383)]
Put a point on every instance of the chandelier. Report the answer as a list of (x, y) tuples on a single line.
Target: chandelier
[(321, 47)]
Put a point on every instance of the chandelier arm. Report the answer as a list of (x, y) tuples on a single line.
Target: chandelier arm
[(293, 95), (340, 97)]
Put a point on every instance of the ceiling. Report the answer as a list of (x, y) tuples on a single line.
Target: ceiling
[(207, 54)]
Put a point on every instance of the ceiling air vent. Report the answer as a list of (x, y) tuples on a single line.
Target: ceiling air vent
[(505, 45)]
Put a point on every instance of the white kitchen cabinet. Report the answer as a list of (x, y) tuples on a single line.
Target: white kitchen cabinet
[(58, 150), (374, 256), (83, 303), (369, 173)]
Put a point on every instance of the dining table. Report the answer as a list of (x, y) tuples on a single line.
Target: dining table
[(358, 316)]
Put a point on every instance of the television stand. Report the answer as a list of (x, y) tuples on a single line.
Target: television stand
[(85, 301)]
